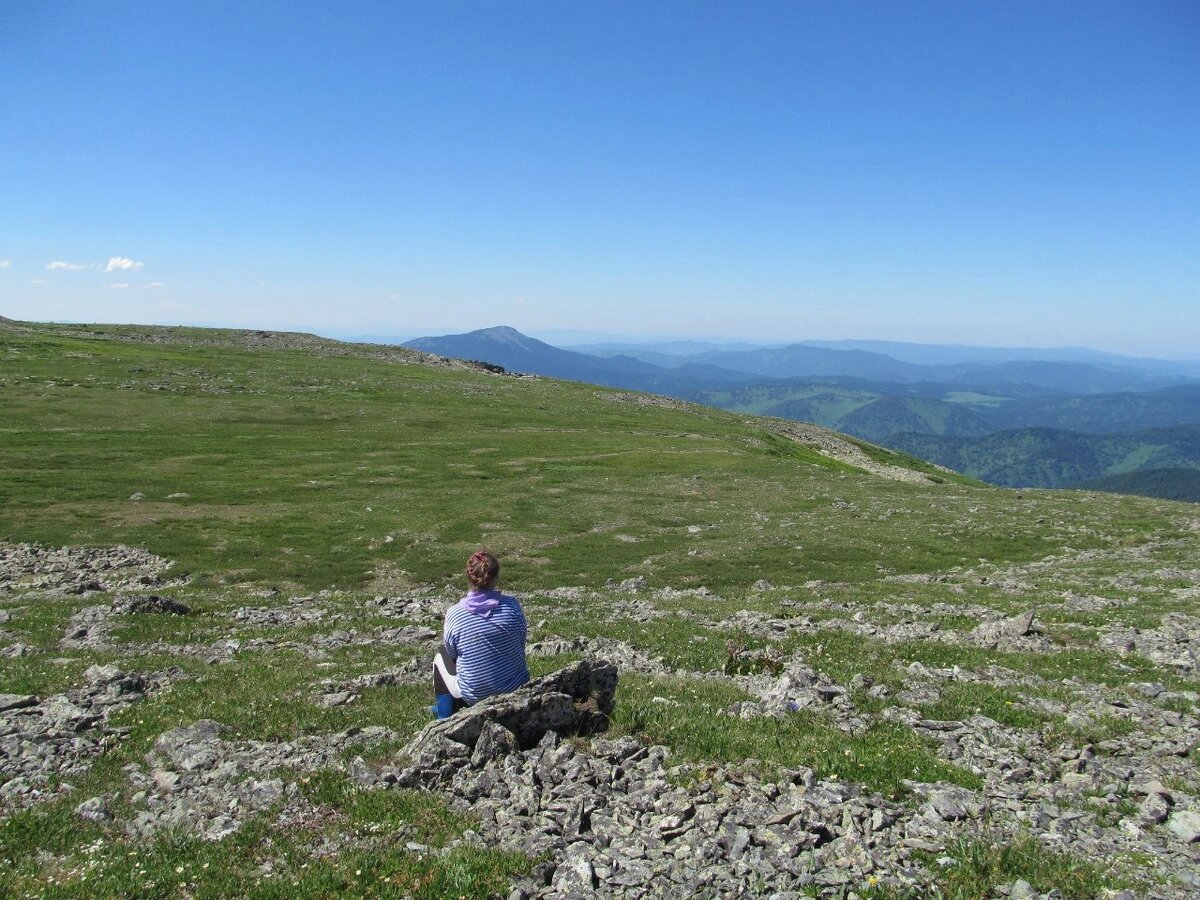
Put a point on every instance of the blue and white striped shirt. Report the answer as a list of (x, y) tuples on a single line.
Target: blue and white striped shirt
[(489, 648)]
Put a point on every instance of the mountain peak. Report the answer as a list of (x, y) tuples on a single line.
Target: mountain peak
[(503, 333)]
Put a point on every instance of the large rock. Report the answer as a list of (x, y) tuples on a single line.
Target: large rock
[(575, 700), (993, 634), (1185, 826)]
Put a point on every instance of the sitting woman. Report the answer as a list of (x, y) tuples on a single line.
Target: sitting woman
[(483, 642)]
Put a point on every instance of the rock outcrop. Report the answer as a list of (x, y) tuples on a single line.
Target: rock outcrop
[(575, 700)]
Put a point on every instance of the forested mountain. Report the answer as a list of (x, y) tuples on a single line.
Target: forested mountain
[(1048, 457), (1166, 484), (877, 411)]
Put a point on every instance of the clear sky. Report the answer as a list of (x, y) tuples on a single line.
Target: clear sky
[(987, 173)]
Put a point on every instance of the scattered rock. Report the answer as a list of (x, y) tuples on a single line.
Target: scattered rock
[(1185, 826), (150, 603), (1003, 632), (198, 782), (93, 810), (79, 570), (1154, 809), (60, 736)]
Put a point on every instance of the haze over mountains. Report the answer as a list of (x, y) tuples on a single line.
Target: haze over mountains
[(1021, 417)]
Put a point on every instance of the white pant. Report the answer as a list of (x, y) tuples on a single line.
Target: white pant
[(445, 672)]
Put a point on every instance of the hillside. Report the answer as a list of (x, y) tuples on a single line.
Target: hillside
[(285, 450), (1167, 484), (1050, 457), (977, 393), (224, 560)]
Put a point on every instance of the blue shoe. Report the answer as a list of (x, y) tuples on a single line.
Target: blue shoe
[(443, 706)]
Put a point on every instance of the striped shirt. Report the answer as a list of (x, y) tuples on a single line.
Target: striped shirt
[(489, 648)]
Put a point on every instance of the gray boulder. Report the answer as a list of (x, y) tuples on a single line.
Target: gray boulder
[(1185, 826), (993, 634), (575, 700)]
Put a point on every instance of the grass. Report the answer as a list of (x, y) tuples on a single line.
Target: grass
[(298, 467), (326, 467), (961, 701), (684, 714), (982, 862), (259, 861)]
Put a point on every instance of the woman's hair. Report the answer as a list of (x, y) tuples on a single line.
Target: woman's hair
[(483, 570)]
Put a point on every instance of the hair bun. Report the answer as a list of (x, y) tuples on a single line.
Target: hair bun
[(482, 569)]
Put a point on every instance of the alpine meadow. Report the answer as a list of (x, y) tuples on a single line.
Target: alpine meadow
[(839, 671)]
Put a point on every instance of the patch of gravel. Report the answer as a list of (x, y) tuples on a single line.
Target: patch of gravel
[(196, 781), (332, 693), (58, 737), (626, 657), (1174, 644), (838, 447), (80, 570), (1014, 634)]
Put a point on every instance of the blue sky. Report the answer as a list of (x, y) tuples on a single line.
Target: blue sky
[(987, 173)]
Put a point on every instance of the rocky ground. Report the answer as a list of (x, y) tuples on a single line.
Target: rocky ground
[(1098, 764)]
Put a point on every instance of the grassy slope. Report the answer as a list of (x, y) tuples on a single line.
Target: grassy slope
[(299, 465), (298, 468)]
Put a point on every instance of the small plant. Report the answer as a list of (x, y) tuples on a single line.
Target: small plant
[(983, 861), (742, 659)]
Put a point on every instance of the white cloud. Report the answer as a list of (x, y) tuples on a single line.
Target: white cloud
[(123, 264), (39, 281), (153, 284), (118, 286), (59, 265), (5, 263)]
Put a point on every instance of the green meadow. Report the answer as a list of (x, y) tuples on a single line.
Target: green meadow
[(276, 466), (303, 470)]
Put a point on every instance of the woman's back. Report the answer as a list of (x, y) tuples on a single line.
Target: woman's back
[(486, 632)]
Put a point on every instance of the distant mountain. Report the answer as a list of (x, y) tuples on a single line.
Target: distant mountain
[(878, 410), (689, 375), (1017, 423), (798, 360), (669, 354), (1067, 377), (802, 360), (1047, 457), (865, 409), (517, 352), (1101, 413), (953, 354)]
